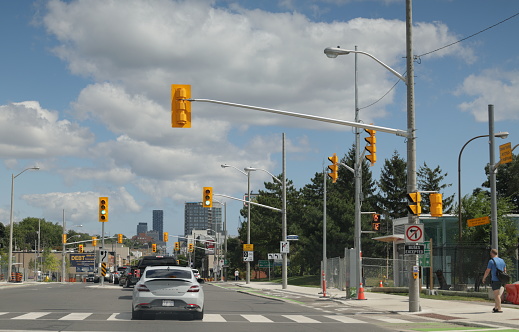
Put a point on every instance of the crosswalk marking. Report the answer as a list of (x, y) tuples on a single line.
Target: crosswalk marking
[(391, 320), (344, 319), (301, 319), (76, 316), (32, 315), (214, 318), (257, 318)]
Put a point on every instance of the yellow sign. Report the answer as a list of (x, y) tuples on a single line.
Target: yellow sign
[(505, 153), (248, 247), (478, 221)]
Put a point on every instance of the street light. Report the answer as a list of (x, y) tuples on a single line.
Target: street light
[(9, 268), (502, 135), (247, 173)]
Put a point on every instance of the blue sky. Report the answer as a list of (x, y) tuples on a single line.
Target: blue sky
[(85, 95)]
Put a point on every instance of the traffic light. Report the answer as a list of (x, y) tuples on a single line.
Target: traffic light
[(165, 237), (375, 222), (415, 203), (103, 209), (207, 197), (64, 238), (372, 146), (81, 249), (334, 167), (191, 247), (154, 247), (119, 238), (436, 204), (180, 107), (177, 246), (94, 241)]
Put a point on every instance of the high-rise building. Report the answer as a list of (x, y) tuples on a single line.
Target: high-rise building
[(196, 217), (142, 227), (158, 222)]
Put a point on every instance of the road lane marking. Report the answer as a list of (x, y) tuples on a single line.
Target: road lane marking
[(301, 319), (213, 318), (31, 315), (344, 319), (76, 316), (257, 319), (391, 320)]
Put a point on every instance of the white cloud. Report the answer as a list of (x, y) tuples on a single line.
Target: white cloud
[(496, 87)]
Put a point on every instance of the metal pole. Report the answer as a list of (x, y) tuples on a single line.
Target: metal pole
[(39, 238), (224, 272), (284, 272), (492, 177), (63, 250), (414, 284), (247, 278), (325, 259), (9, 267), (358, 177), (103, 244)]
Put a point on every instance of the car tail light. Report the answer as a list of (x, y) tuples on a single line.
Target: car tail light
[(142, 288), (193, 289)]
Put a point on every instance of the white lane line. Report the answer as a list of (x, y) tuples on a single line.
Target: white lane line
[(344, 319), (31, 315), (257, 318), (76, 316), (213, 318), (301, 319)]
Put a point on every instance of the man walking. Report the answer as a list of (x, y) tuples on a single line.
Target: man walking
[(236, 275), (493, 264)]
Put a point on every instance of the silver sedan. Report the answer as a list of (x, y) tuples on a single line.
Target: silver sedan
[(168, 289)]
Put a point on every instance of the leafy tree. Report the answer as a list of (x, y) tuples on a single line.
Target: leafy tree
[(50, 262), (431, 180), (393, 187), (507, 182)]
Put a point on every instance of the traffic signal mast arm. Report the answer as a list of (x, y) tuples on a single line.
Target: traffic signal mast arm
[(245, 201), (91, 240), (398, 132)]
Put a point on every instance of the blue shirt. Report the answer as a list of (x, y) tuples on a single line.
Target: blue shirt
[(500, 265)]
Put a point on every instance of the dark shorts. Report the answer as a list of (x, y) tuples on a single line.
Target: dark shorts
[(496, 285)]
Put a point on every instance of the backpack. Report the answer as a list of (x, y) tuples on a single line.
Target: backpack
[(503, 277)]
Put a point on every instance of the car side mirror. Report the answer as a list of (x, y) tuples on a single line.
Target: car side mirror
[(200, 281)]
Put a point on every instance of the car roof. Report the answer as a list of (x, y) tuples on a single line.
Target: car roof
[(162, 267)]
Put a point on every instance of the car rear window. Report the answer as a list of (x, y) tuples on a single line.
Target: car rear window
[(166, 273)]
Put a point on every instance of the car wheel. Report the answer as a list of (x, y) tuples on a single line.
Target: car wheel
[(199, 315), (136, 314)]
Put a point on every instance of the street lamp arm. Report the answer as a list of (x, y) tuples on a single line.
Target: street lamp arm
[(236, 168), (274, 177), (35, 168)]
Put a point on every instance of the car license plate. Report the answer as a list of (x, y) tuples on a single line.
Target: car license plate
[(168, 303)]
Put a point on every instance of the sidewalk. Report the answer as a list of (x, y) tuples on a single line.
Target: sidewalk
[(462, 312)]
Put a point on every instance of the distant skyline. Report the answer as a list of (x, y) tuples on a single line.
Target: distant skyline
[(85, 95)]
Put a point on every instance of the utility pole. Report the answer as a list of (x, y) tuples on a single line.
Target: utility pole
[(492, 178)]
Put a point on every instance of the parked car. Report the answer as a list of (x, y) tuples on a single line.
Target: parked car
[(129, 277), (90, 277), (170, 290)]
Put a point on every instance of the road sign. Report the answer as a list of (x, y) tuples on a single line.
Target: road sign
[(425, 260), (505, 153), (414, 249), (103, 255), (275, 256), (478, 221), (292, 237), (284, 247), (264, 263), (248, 247), (414, 233), (248, 256)]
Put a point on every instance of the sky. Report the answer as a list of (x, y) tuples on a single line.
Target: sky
[(85, 93)]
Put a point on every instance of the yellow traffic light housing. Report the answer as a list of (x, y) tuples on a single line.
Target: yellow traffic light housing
[(371, 147), (165, 237), (81, 248), (334, 167), (207, 197), (177, 246), (64, 238), (191, 247), (154, 247), (94, 241), (119, 238), (415, 203), (436, 204), (180, 107), (103, 209)]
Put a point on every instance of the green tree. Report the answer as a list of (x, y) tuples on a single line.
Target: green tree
[(432, 180), (50, 262), (507, 182), (393, 187)]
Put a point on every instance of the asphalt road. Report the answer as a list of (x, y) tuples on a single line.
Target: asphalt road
[(90, 307)]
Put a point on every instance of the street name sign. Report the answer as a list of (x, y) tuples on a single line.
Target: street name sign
[(478, 221), (414, 233)]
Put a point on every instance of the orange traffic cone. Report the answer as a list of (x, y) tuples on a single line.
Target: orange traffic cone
[(380, 284), (361, 293)]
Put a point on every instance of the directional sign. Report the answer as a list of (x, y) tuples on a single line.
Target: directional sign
[(414, 233), (248, 256), (264, 263), (103, 255), (275, 256), (478, 221), (284, 247)]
